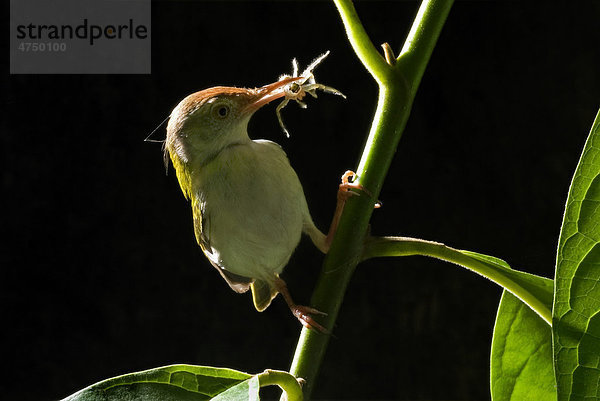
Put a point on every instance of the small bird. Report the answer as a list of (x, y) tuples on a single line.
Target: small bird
[(248, 205)]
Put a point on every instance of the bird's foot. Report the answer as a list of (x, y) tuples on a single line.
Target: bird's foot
[(303, 314), (344, 193), (348, 183)]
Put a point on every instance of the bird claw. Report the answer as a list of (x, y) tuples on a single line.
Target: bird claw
[(303, 314), (348, 184), (344, 191)]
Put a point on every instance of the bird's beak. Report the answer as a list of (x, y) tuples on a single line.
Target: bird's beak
[(268, 93)]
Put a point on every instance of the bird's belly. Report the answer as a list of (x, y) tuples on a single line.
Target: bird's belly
[(253, 204)]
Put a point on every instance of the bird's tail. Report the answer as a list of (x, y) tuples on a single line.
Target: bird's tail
[(263, 293)]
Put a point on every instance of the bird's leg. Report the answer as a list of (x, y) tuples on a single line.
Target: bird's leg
[(302, 313), (344, 193)]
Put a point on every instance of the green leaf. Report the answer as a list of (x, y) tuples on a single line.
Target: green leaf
[(540, 287), (175, 382), (535, 291), (576, 317), (246, 390), (521, 357)]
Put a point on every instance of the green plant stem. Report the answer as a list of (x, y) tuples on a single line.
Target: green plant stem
[(421, 40), (397, 87), (361, 43), (505, 277), (284, 380)]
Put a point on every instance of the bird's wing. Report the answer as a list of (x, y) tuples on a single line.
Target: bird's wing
[(237, 283), (201, 225)]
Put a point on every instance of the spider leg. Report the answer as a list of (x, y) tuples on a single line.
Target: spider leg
[(279, 118), (327, 89), (311, 91), (295, 67), (301, 103), (314, 63)]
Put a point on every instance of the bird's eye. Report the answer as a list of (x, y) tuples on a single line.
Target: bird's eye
[(221, 110)]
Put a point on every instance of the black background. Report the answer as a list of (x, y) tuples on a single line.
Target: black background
[(100, 271)]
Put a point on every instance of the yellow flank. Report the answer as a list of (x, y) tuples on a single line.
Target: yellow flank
[(183, 175)]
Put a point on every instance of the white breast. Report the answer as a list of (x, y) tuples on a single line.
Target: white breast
[(254, 208)]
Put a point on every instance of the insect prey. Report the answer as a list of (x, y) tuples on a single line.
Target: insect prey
[(298, 89)]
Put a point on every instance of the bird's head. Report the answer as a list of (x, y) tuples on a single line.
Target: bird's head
[(206, 122)]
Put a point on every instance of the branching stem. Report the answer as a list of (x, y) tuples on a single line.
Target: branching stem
[(397, 87)]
